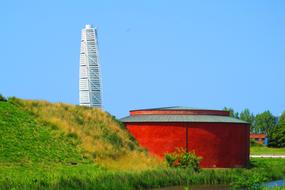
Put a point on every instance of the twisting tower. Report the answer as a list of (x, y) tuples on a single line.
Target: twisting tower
[(90, 79)]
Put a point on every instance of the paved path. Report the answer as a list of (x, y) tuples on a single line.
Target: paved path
[(267, 156)]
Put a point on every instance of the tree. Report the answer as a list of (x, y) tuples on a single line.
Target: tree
[(264, 123), (247, 116), (277, 138), (2, 98), (232, 112), (282, 117)]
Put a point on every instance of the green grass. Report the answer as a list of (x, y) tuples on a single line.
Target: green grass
[(60, 146), (26, 140), (259, 150), (90, 176), (272, 169)]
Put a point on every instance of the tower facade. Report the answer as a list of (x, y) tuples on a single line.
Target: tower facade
[(90, 79)]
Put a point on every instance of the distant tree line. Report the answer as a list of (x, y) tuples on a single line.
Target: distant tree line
[(3, 98), (264, 123)]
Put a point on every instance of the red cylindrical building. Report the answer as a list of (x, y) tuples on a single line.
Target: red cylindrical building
[(222, 141)]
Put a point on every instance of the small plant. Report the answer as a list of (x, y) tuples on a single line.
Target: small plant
[(180, 158)]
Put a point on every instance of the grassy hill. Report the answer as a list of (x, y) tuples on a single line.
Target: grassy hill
[(39, 131), (24, 139)]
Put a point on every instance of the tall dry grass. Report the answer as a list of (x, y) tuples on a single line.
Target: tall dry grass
[(102, 139)]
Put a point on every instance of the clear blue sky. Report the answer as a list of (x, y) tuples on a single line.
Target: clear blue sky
[(207, 54)]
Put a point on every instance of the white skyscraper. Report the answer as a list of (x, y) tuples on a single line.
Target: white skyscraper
[(90, 80)]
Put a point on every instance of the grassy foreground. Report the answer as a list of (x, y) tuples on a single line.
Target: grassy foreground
[(90, 176), (263, 150)]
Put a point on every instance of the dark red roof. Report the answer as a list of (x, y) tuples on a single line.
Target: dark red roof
[(179, 110)]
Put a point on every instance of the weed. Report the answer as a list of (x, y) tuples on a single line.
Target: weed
[(182, 159)]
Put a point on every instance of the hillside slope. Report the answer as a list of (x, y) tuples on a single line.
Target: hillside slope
[(39, 131), (25, 140)]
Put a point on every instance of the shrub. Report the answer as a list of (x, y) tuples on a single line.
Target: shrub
[(2, 98), (180, 158)]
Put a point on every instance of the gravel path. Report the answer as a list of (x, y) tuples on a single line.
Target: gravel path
[(267, 156)]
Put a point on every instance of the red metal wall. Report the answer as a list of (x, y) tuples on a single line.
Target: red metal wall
[(221, 145)]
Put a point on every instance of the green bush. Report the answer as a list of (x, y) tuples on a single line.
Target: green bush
[(2, 98), (180, 158)]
